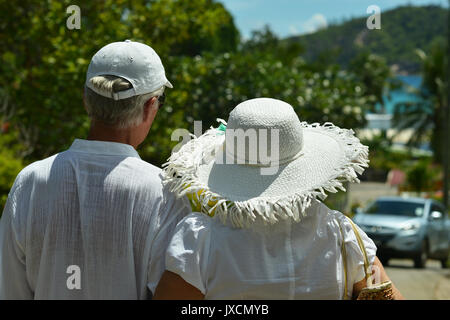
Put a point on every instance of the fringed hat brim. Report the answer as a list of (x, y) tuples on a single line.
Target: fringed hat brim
[(240, 194)]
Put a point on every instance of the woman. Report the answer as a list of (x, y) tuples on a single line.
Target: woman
[(263, 232)]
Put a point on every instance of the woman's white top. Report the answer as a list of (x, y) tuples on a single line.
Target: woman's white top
[(286, 260)]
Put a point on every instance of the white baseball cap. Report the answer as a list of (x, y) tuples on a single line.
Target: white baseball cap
[(133, 61)]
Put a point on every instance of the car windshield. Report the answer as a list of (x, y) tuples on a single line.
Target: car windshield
[(396, 208)]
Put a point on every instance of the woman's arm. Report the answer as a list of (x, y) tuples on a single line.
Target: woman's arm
[(173, 287), (357, 287)]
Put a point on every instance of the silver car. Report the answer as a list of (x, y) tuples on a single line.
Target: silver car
[(413, 228)]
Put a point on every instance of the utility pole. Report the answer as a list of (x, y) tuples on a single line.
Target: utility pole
[(446, 142)]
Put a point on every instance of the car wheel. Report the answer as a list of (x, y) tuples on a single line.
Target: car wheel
[(421, 258)]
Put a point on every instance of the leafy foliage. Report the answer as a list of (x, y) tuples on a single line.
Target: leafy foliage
[(10, 164), (373, 71), (421, 176), (382, 157), (44, 63), (177, 27), (427, 113)]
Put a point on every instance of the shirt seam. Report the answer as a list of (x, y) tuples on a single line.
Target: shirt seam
[(82, 145), (106, 154)]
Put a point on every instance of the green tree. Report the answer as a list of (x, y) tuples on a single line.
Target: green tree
[(10, 161), (43, 63), (177, 27), (377, 76), (421, 176), (426, 115), (265, 42)]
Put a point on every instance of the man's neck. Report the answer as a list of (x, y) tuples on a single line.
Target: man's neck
[(101, 132)]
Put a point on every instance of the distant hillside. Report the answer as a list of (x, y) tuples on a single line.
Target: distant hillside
[(402, 31)]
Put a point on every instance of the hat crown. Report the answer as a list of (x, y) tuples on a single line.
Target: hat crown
[(262, 116), (136, 62)]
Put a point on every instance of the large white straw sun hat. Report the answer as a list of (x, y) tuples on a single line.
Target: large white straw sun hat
[(278, 169)]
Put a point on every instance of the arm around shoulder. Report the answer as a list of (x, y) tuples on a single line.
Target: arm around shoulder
[(186, 260), (173, 287)]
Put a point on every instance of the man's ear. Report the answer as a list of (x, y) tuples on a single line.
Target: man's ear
[(150, 108)]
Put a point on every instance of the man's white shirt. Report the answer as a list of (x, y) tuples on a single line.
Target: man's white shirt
[(92, 222)]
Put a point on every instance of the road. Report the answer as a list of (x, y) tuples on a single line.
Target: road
[(431, 283)]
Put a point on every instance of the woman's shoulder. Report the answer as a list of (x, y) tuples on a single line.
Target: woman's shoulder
[(335, 221), (195, 221), (192, 234), (325, 215)]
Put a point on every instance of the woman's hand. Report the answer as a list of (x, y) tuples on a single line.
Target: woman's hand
[(357, 287)]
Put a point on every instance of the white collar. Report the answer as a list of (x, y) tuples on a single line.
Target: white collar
[(103, 147)]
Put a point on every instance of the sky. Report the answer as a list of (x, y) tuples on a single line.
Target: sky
[(293, 17)]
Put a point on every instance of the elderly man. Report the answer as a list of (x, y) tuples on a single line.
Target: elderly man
[(93, 222)]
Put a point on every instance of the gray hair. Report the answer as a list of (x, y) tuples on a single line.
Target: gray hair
[(124, 113)]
